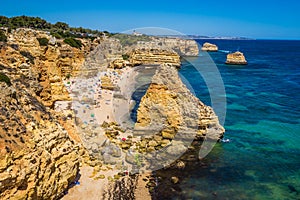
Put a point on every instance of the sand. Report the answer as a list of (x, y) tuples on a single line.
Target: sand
[(107, 106), (89, 186)]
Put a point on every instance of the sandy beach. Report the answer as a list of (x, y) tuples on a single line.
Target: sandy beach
[(115, 105), (95, 105)]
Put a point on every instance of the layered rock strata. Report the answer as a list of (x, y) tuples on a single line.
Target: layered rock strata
[(236, 58), (52, 63), (38, 159), (181, 46), (154, 56), (170, 105), (209, 47)]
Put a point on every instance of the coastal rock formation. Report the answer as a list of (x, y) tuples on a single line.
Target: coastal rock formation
[(154, 56), (40, 147), (154, 52), (181, 46), (209, 47), (52, 63), (107, 51), (38, 160), (119, 64), (169, 106), (236, 58), (106, 83)]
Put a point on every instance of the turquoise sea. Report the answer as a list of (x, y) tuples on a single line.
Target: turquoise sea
[(262, 161)]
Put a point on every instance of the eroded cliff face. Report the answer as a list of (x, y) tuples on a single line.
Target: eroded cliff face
[(38, 159), (168, 102), (51, 63), (154, 56), (157, 51), (40, 148), (181, 46), (209, 47), (236, 58)]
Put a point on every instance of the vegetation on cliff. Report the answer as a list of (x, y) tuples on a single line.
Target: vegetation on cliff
[(5, 79), (128, 40), (73, 42), (59, 29), (28, 55), (3, 37), (43, 41)]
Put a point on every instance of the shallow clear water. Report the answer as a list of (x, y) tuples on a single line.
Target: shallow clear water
[(262, 161)]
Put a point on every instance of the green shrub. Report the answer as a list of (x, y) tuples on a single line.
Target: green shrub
[(5, 79), (125, 57), (3, 37), (73, 42), (43, 41), (56, 35), (128, 40), (27, 55), (58, 30)]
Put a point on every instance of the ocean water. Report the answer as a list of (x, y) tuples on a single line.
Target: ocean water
[(262, 161)]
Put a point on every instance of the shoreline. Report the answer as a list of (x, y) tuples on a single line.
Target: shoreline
[(115, 103), (97, 182)]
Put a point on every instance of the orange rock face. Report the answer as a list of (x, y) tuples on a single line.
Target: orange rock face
[(168, 103), (209, 47), (236, 58)]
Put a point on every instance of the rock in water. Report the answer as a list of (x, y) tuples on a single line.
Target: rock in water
[(170, 105), (236, 58), (209, 47)]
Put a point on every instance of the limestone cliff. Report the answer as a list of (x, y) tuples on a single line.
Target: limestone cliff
[(181, 46), (39, 156), (236, 58), (106, 52), (154, 56), (38, 160), (156, 51), (168, 102), (209, 47), (51, 63)]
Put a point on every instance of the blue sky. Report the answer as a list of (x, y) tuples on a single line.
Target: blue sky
[(256, 19)]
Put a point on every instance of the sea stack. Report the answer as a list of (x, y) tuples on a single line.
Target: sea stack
[(209, 47), (236, 58)]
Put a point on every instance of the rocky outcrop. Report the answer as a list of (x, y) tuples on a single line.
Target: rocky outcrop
[(39, 156), (157, 51), (51, 63), (119, 64), (182, 47), (236, 58), (103, 54), (121, 189), (106, 83), (169, 104), (38, 160), (209, 47), (154, 56)]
